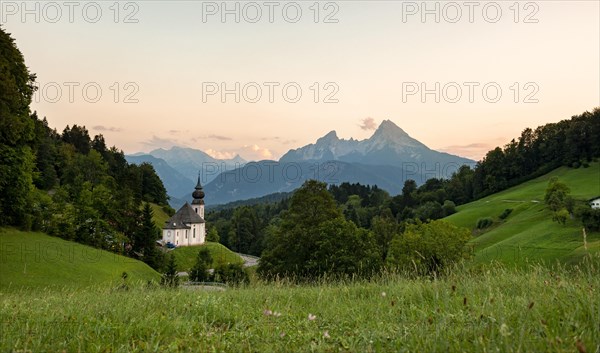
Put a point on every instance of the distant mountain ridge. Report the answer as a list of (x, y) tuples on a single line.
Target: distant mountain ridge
[(178, 168), (257, 179), (389, 145), (386, 159)]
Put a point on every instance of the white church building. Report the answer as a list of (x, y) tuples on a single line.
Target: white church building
[(187, 227)]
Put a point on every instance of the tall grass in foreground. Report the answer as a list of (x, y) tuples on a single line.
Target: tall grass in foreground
[(493, 308)]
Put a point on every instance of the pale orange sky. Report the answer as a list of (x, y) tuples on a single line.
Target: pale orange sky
[(368, 54)]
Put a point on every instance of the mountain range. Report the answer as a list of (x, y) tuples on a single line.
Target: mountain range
[(386, 159)]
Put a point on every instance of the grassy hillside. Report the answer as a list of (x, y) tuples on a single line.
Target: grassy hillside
[(497, 310), (160, 216), (37, 260), (529, 234), (186, 255)]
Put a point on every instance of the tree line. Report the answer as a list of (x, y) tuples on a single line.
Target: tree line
[(67, 183)]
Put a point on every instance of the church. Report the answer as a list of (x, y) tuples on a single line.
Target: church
[(187, 227)]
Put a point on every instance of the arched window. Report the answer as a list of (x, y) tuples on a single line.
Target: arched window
[(194, 232)]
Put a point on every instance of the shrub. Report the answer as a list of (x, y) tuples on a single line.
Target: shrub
[(506, 213), (561, 216), (231, 274), (483, 223), (426, 248), (590, 218), (449, 208)]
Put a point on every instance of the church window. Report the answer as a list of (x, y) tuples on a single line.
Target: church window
[(194, 232)]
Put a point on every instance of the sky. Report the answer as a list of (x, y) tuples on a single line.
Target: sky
[(260, 78)]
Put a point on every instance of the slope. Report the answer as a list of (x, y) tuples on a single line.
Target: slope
[(37, 260), (529, 234), (186, 256)]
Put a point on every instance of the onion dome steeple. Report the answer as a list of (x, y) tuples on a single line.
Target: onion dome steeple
[(198, 193)]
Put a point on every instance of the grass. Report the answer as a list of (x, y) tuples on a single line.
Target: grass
[(529, 234), (536, 309), (186, 256), (160, 216), (37, 260)]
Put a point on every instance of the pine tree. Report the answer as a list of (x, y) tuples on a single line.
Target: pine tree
[(199, 272), (170, 278)]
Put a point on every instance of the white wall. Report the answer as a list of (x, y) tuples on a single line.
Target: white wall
[(179, 238)]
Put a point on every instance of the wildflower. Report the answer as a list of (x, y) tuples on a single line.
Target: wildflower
[(326, 334), (276, 314), (383, 294), (268, 312), (282, 334), (311, 317)]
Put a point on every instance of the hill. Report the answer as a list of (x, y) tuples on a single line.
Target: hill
[(185, 256), (529, 232), (37, 260), (267, 199), (258, 179)]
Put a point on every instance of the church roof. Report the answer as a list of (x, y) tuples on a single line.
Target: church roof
[(183, 218)]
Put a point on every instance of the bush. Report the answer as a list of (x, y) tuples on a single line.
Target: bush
[(561, 216), (449, 208), (590, 218), (231, 274), (483, 223), (506, 213), (427, 248)]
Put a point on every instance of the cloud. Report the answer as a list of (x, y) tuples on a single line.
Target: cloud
[(219, 137), (474, 151), (256, 152), (270, 138), (368, 124), (220, 154), (106, 128), (174, 132), (159, 142), (248, 152)]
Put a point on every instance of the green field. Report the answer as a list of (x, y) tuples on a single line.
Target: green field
[(529, 234), (186, 256), (536, 309), (37, 260), (160, 216)]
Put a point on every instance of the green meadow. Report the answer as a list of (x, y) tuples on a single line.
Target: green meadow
[(36, 260), (499, 309), (529, 234)]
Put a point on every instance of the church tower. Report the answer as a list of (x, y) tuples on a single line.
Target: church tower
[(198, 195)]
